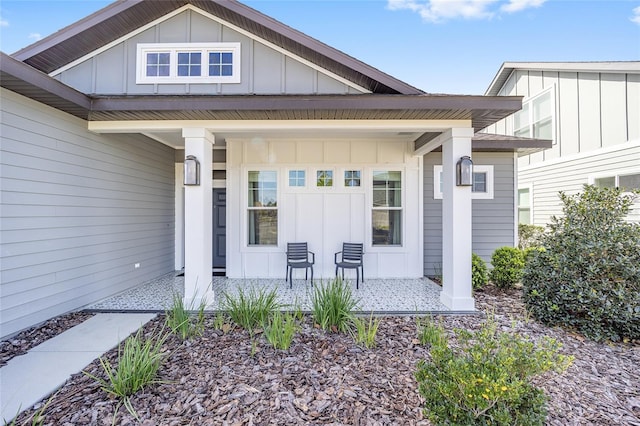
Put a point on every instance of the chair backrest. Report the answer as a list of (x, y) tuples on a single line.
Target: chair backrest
[(297, 251), (352, 252)]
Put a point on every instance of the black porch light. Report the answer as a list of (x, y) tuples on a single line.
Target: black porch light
[(464, 171)]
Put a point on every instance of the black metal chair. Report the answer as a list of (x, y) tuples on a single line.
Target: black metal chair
[(351, 258), (298, 257)]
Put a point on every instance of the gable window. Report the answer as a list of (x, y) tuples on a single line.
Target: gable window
[(386, 214), (263, 208), (482, 188), (188, 63), (324, 178), (297, 178), (535, 119), (351, 178)]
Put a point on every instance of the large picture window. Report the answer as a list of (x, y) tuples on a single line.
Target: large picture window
[(386, 214), (263, 208), (188, 63)]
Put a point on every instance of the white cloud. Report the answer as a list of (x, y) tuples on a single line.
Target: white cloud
[(35, 36), (4, 22), (442, 10), (636, 15), (518, 5)]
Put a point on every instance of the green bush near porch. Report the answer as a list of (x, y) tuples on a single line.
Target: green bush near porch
[(588, 275), (508, 264), (479, 275)]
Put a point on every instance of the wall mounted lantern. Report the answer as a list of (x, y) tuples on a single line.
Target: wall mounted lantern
[(464, 171), (191, 170)]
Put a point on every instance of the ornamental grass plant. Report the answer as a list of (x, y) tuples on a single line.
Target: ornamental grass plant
[(332, 305), (251, 310)]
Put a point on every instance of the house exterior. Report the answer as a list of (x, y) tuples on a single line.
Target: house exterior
[(294, 141), (591, 112)]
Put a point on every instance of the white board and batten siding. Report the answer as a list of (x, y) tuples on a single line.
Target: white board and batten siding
[(78, 210), (264, 69), (492, 219), (323, 217), (596, 133)]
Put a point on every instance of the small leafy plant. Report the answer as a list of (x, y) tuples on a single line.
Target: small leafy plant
[(479, 276), (250, 311), (486, 378), (332, 305), (365, 331), (508, 264), (181, 318), (139, 361), (280, 329)]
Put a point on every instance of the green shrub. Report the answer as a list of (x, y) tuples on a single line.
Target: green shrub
[(182, 320), (139, 361), (486, 379), (280, 329), (479, 276), (365, 331), (529, 236), (508, 263), (332, 305), (252, 310), (588, 275)]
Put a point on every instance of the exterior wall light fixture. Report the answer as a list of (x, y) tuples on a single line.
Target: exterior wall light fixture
[(191, 170), (464, 171)]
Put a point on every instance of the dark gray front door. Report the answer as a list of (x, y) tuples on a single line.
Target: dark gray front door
[(219, 229)]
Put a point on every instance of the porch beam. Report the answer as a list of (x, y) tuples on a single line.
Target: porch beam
[(198, 227), (456, 224)]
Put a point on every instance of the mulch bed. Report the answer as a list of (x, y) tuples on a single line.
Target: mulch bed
[(231, 379)]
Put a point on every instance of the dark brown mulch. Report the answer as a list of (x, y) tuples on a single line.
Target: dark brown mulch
[(220, 378), (27, 339)]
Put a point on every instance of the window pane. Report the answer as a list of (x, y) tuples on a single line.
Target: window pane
[(629, 182), (352, 178), (524, 216), (521, 118), (387, 189), (522, 133), (163, 58), (542, 129), (387, 227), (263, 227), (227, 58), (479, 182), (263, 189), (542, 107), (605, 182), (324, 178), (523, 197), (215, 70), (157, 64), (227, 70), (296, 178), (189, 63), (221, 64)]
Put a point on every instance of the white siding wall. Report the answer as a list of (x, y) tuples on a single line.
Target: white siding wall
[(78, 210), (323, 217), (570, 174), (493, 220)]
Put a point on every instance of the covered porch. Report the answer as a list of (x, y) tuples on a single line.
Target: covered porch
[(379, 296)]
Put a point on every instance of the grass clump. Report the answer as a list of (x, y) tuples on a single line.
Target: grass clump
[(486, 378), (186, 321), (251, 310), (139, 361), (365, 331), (280, 329), (332, 305)]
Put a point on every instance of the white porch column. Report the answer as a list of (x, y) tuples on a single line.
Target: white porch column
[(456, 224), (198, 227)]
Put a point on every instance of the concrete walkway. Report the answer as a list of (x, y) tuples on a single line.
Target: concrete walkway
[(28, 378)]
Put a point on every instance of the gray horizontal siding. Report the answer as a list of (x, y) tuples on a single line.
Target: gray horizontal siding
[(493, 223), (78, 210)]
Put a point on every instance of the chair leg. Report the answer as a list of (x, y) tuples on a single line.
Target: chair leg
[(336, 271), (357, 278), (306, 273), (311, 276), (290, 277)]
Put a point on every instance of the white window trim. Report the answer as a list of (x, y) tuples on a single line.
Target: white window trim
[(529, 102), (381, 248), (488, 169), (173, 49), (314, 184), (296, 188), (244, 229), (342, 178)]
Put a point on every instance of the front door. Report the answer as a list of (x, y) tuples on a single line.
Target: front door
[(219, 230)]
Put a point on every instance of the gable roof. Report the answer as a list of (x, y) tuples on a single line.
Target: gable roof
[(603, 67), (124, 16)]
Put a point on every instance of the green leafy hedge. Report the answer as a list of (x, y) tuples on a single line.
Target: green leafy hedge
[(588, 275), (508, 263), (479, 275)]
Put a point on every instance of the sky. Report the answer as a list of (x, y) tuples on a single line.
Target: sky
[(439, 46)]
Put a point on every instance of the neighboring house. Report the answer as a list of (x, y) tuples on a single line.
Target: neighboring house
[(295, 141), (591, 112)]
